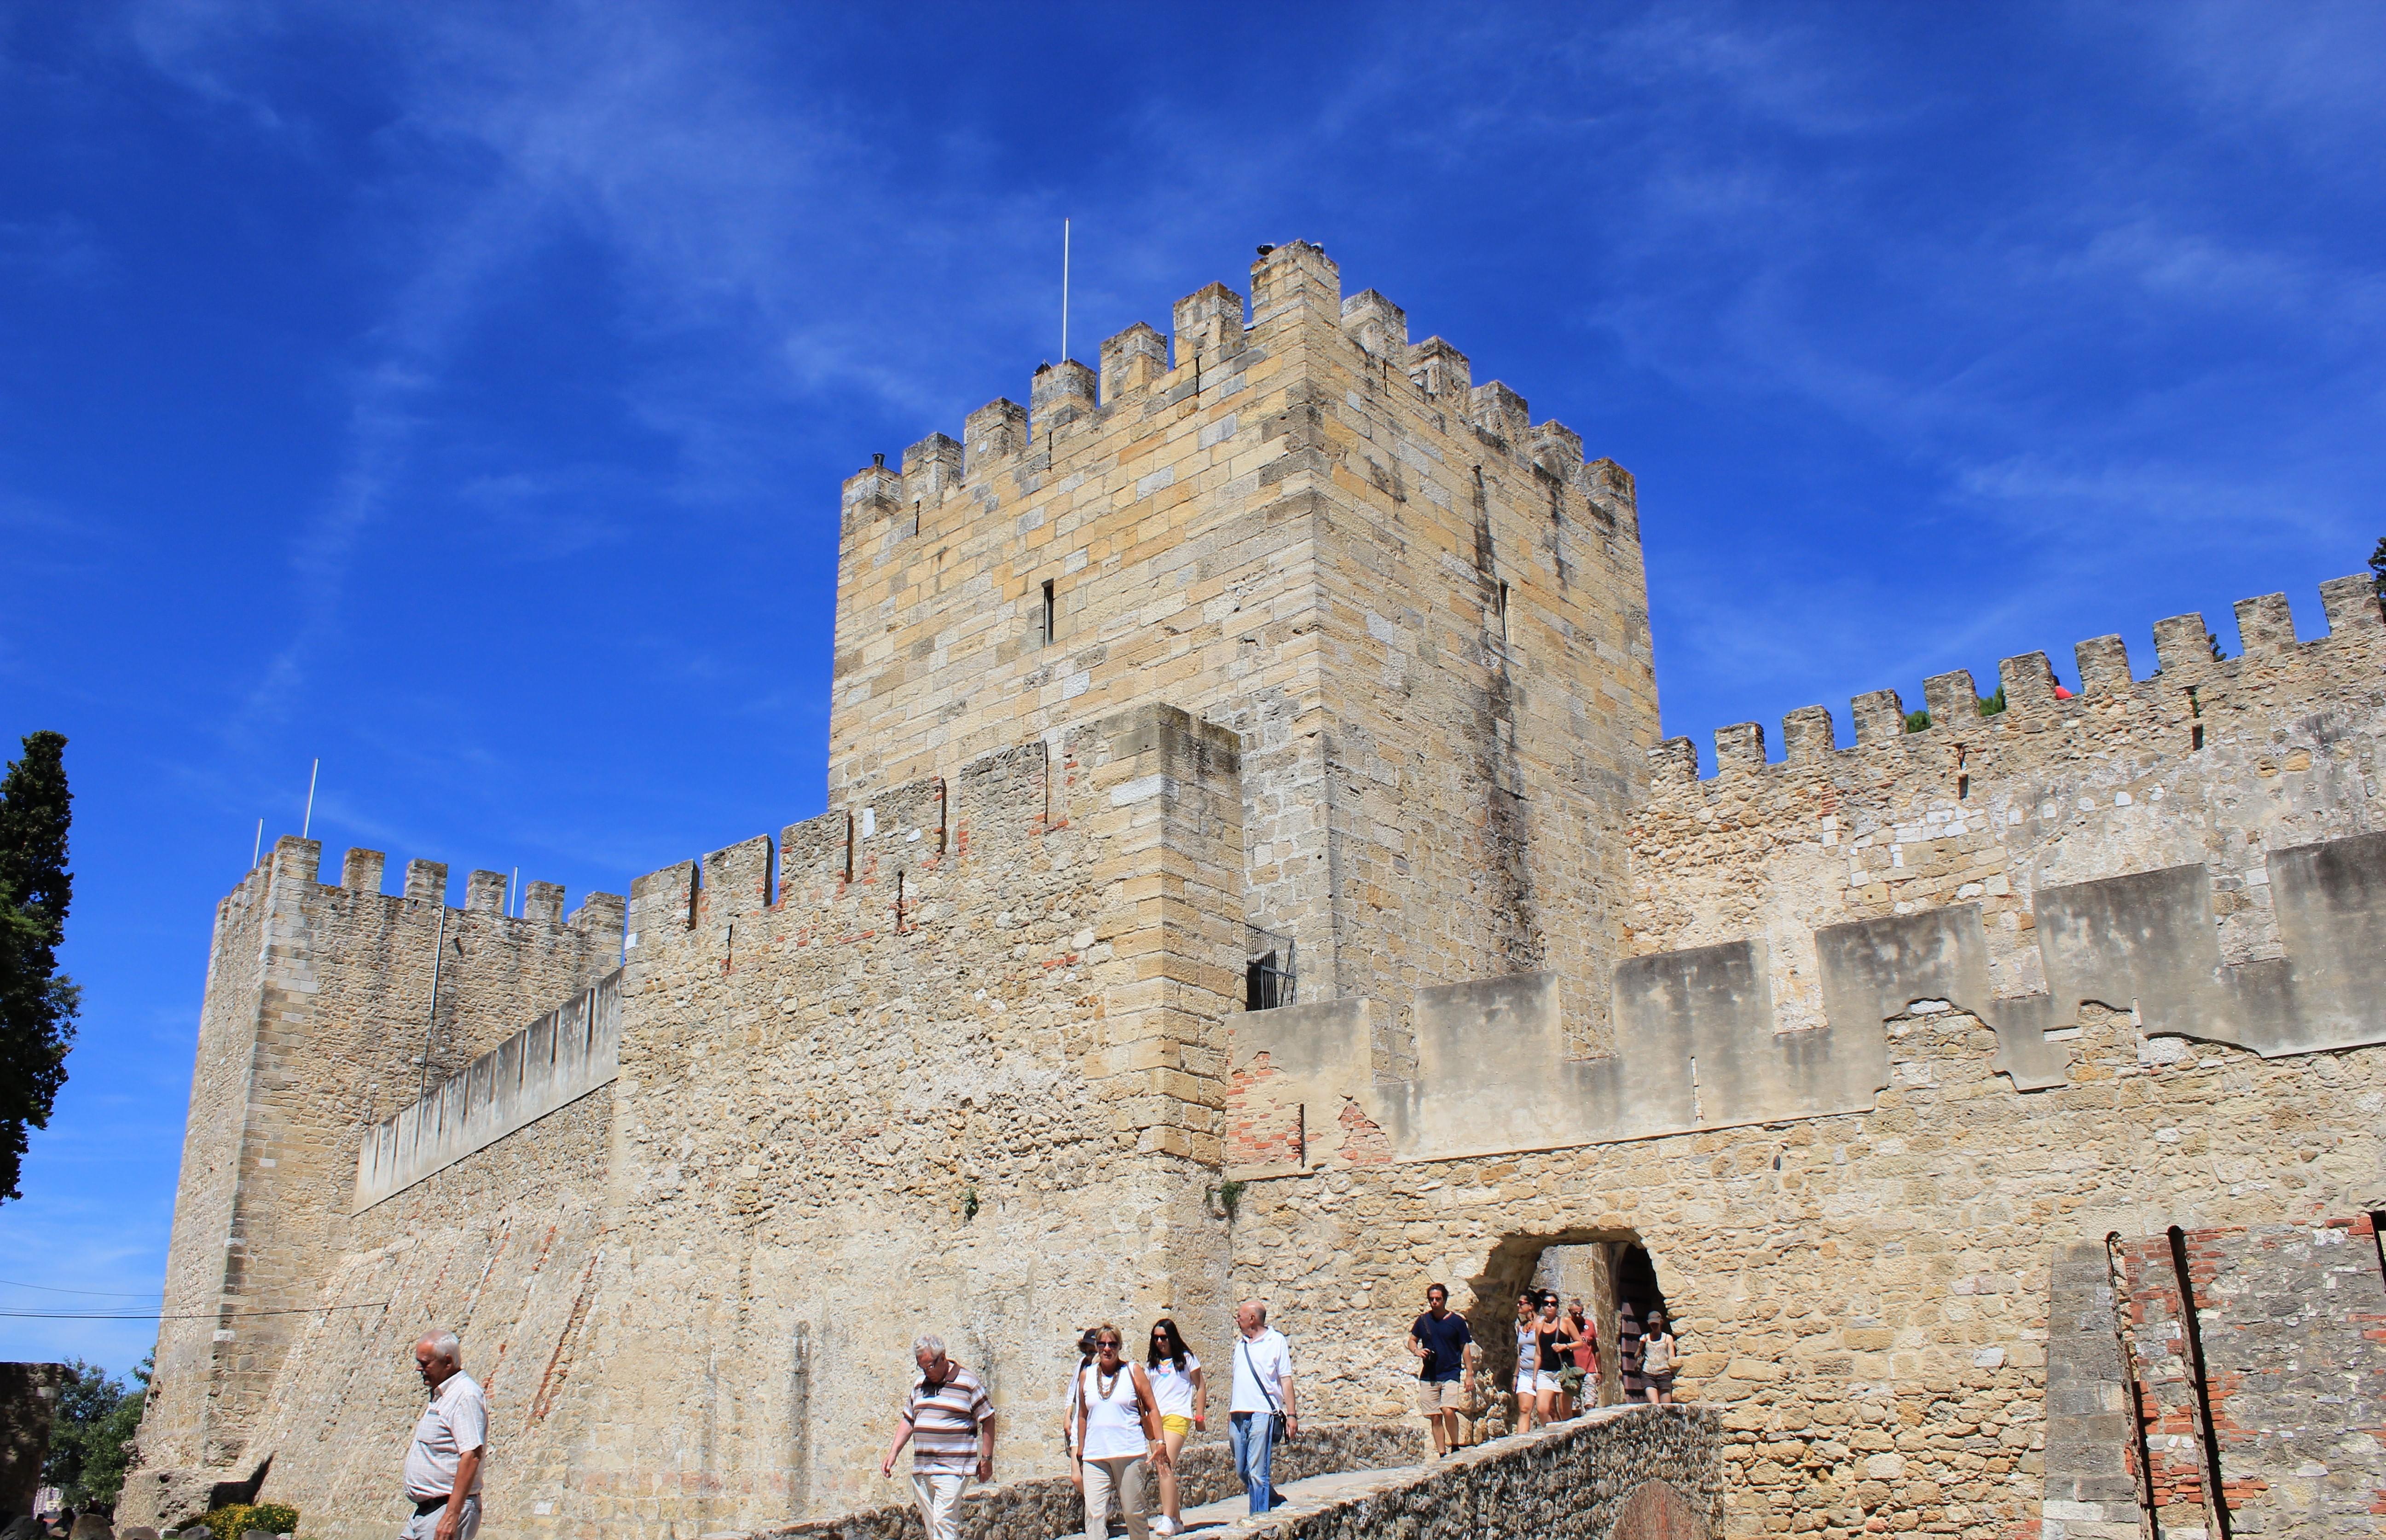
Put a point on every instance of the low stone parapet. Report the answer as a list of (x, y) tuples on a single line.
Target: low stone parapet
[(1636, 1473), (1618, 1473)]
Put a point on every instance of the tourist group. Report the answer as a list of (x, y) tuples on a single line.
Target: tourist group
[(1125, 1421)]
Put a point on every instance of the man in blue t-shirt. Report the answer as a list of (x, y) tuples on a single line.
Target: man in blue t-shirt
[(1446, 1350)]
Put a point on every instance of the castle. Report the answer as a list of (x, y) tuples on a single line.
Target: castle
[(1252, 868)]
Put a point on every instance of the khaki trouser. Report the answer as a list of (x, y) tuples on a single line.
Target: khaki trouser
[(423, 1526), (1121, 1476), (940, 1502)]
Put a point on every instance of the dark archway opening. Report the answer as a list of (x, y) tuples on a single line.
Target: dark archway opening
[(1604, 1269)]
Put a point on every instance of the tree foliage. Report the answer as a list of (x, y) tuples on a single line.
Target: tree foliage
[(2378, 572), (91, 1435), (37, 1002)]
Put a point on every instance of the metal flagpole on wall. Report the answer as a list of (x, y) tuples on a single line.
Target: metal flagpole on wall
[(307, 822), (1064, 291)]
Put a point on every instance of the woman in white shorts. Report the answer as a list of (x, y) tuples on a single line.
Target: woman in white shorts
[(1547, 1362), (1530, 1378)]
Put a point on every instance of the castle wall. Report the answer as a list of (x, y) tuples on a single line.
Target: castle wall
[(950, 1059), (556, 1060), (504, 1247), (1865, 1296), (318, 1015), (2203, 763), (1936, 1008), (974, 1087)]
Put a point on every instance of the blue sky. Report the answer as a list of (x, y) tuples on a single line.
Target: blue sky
[(459, 393)]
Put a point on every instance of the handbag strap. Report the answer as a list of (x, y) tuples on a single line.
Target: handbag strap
[(1243, 1345)]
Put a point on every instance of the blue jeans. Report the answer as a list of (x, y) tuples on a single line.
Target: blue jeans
[(1252, 1435)]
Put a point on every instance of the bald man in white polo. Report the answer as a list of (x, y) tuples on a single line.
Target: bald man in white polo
[(443, 1464)]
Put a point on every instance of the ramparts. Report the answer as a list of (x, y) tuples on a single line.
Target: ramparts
[(1919, 865), (556, 1059)]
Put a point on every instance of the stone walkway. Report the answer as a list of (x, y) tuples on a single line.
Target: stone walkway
[(1232, 1519), (1212, 1520)]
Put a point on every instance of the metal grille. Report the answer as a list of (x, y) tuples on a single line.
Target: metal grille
[(1271, 977)]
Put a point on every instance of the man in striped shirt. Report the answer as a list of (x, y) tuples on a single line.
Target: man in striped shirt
[(950, 1424)]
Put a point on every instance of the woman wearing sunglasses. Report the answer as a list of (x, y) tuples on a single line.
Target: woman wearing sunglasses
[(1118, 1438), (1184, 1403)]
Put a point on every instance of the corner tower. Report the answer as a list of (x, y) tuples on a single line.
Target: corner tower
[(1424, 615)]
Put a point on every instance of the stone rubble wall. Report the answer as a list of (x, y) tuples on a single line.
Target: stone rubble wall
[(1051, 1506), (1865, 1299), (1624, 1473), (1590, 1478)]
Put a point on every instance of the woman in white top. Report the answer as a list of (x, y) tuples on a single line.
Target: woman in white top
[(1528, 1352), (1659, 1360), (1183, 1402), (1118, 1437)]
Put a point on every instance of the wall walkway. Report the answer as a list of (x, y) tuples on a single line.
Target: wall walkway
[(1617, 1473)]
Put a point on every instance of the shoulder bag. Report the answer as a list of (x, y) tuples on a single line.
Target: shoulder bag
[(1275, 1409)]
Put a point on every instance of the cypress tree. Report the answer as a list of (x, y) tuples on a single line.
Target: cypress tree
[(37, 1002)]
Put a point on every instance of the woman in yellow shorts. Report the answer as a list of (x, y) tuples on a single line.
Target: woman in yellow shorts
[(1184, 1405)]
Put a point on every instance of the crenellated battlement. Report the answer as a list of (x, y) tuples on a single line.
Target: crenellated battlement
[(856, 872), (2188, 680), (362, 876), (1142, 370)]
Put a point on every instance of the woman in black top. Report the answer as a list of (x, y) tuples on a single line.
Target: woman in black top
[(1547, 1330)]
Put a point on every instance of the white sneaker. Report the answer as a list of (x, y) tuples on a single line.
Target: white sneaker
[(1162, 1525)]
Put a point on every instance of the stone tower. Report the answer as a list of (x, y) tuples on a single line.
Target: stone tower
[(1424, 615)]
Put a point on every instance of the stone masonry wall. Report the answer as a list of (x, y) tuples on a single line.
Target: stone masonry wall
[(2203, 762), (505, 1248), (1619, 1474), (318, 1015), (1622, 1474), (947, 1059), (1863, 1297), (1864, 1292)]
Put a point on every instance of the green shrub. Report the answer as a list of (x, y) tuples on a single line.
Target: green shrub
[(232, 1521)]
